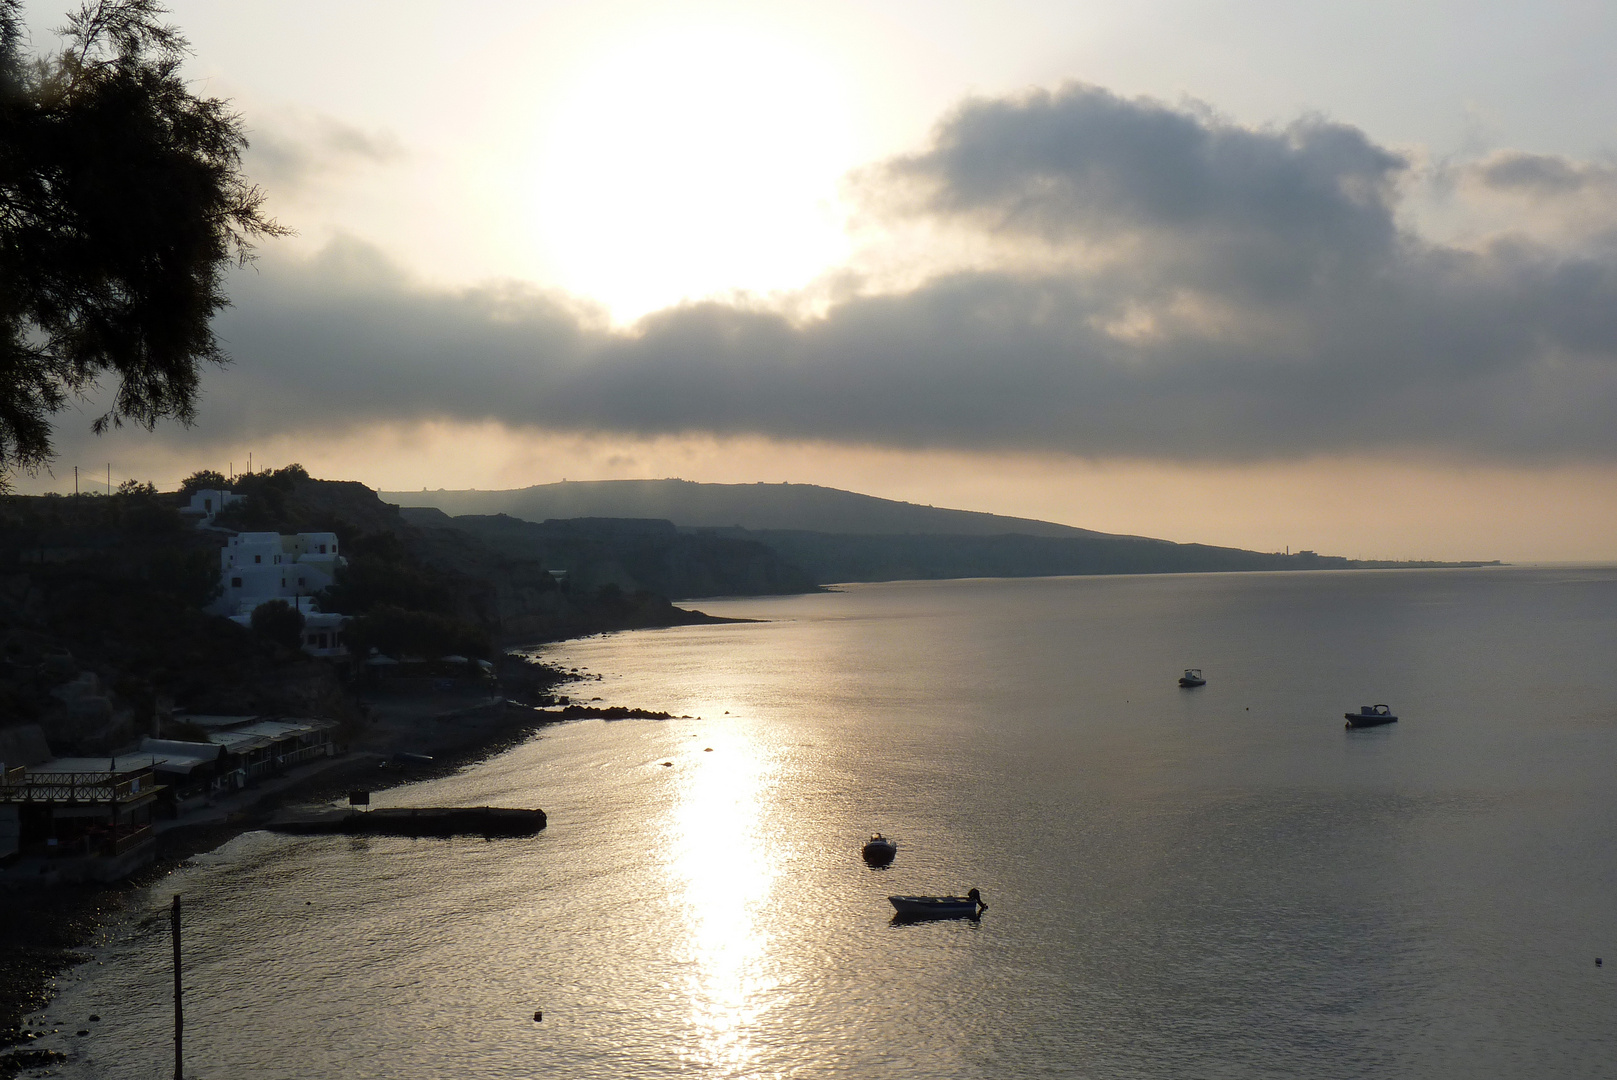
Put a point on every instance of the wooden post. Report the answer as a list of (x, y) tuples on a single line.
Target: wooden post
[(179, 1016)]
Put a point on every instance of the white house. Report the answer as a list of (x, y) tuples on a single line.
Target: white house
[(260, 566), (208, 502)]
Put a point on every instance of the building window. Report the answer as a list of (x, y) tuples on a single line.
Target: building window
[(235, 583), (322, 549), (258, 558), (300, 581)]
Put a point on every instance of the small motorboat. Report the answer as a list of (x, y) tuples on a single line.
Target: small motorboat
[(879, 851), (1370, 716), (939, 907), (1192, 677)]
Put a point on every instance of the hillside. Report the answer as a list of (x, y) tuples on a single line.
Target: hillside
[(820, 536), (104, 627), (828, 558), (619, 576), (796, 507), (628, 554)]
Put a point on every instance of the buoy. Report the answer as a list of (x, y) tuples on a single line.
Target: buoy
[(94, 1019), (707, 749), (538, 1015), (668, 764), (1597, 961), (82, 1031)]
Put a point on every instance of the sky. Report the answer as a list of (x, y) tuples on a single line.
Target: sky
[(1339, 277)]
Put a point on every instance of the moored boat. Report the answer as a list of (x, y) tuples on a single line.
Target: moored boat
[(879, 850), (1370, 716), (1192, 677), (939, 907)]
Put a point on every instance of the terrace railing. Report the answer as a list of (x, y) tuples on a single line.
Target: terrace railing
[(77, 787), (300, 755)]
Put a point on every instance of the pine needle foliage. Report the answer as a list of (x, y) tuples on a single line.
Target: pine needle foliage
[(122, 207)]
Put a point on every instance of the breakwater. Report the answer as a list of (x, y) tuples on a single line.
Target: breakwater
[(405, 821)]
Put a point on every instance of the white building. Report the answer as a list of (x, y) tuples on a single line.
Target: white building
[(261, 566), (208, 502)]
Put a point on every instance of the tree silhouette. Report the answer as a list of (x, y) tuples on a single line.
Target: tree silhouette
[(122, 206)]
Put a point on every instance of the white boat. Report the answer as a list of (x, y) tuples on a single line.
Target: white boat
[(1192, 677), (939, 907)]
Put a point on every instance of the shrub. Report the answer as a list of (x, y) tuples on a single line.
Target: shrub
[(280, 622)]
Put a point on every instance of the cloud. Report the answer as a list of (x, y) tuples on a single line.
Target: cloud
[(1166, 285), (1542, 175), (1081, 164), (289, 150)]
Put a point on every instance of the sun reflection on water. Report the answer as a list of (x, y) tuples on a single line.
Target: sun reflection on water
[(721, 875)]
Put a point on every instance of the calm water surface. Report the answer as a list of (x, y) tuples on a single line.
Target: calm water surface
[(1211, 883)]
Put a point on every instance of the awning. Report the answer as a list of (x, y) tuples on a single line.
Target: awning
[(236, 743), (121, 763), (285, 729), (181, 758), (212, 722)]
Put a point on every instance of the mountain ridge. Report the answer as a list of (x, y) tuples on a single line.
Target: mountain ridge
[(760, 506)]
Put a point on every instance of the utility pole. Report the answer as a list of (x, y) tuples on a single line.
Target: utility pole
[(179, 1016), (109, 478)]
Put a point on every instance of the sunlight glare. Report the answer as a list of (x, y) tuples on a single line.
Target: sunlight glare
[(692, 163), (723, 876)]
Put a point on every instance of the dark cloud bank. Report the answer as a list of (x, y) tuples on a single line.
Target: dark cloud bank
[(1169, 285)]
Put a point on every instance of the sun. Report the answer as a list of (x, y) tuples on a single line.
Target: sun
[(690, 163)]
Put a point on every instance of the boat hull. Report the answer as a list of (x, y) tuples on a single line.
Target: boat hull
[(934, 907), (880, 852), (1192, 682), (1361, 720)]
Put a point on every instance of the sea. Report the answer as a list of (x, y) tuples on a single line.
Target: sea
[(1217, 882)]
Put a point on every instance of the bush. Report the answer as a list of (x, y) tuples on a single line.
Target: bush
[(203, 480), (280, 622), (401, 633), (369, 582)]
